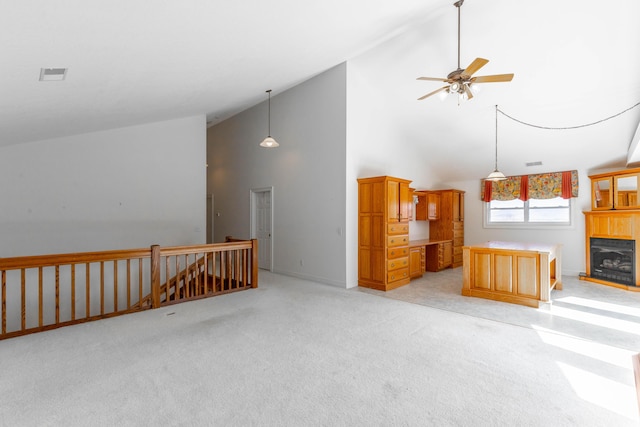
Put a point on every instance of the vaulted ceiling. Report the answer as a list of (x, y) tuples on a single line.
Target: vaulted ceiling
[(132, 61)]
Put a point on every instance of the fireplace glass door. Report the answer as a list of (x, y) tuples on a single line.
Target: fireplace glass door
[(613, 260)]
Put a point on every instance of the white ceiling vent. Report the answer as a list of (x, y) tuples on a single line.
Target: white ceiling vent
[(538, 163), (52, 74)]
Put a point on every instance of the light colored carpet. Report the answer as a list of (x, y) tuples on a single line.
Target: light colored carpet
[(296, 353)]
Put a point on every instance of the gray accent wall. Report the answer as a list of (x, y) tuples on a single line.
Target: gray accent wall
[(116, 189), (307, 174)]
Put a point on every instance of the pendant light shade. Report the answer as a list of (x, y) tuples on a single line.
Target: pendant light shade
[(269, 142), (496, 175)]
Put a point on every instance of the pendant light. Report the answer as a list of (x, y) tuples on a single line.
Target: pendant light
[(269, 142), (496, 175)]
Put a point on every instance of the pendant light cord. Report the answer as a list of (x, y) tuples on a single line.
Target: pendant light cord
[(496, 168), (269, 114), (567, 127)]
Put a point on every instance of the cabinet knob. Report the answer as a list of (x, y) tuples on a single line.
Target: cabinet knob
[(393, 264)]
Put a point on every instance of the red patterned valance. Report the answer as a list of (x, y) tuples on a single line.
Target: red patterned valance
[(538, 186)]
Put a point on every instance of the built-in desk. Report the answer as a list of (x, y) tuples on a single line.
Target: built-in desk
[(435, 255), (520, 273)]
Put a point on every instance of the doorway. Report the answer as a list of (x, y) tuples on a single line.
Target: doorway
[(262, 225)]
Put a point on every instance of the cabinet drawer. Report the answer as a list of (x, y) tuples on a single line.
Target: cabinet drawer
[(457, 250), (458, 225), (398, 228), (398, 252), (457, 259), (394, 275), (458, 233), (393, 241), (394, 264), (458, 241)]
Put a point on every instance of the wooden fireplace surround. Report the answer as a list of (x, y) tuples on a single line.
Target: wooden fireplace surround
[(613, 217)]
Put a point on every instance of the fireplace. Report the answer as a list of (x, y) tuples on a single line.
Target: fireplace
[(613, 260)]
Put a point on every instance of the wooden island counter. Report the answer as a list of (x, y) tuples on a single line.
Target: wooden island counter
[(520, 273)]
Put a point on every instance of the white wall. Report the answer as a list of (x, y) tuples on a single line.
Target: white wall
[(375, 147), (307, 173), (116, 189)]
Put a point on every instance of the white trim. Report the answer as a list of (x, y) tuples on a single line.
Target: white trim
[(252, 217), (530, 225)]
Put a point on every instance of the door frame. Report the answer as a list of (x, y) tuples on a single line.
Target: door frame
[(253, 220)]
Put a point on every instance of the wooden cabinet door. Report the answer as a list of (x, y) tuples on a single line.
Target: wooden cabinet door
[(404, 201), (458, 206), (399, 201), (433, 206), (393, 201), (421, 207), (447, 254), (415, 262)]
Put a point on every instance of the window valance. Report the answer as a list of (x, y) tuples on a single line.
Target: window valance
[(538, 186)]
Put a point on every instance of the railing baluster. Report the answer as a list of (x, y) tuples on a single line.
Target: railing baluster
[(87, 310), (176, 284), (237, 269), (246, 267), (73, 292), (115, 286), (40, 298), (4, 302), (128, 284), (101, 287), (196, 274), (187, 277), (167, 278), (57, 293), (140, 290), (23, 299)]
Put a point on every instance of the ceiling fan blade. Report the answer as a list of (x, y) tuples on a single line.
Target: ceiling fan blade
[(475, 66), (432, 79), (493, 79), (433, 93)]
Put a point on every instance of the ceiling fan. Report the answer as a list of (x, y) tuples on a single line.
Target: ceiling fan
[(459, 80)]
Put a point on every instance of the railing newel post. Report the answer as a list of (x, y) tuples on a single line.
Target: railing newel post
[(155, 276), (254, 263)]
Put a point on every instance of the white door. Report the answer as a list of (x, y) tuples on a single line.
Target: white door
[(261, 224)]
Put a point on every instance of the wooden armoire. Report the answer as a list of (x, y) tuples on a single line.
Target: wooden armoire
[(450, 222), (384, 207)]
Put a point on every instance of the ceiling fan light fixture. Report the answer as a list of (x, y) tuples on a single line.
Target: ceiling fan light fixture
[(460, 80)]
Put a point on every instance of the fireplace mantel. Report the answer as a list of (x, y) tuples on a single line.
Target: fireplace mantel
[(612, 224)]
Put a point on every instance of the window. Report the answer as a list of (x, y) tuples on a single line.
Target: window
[(533, 212)]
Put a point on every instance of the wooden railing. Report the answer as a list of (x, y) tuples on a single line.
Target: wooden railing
[(50, 291)]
